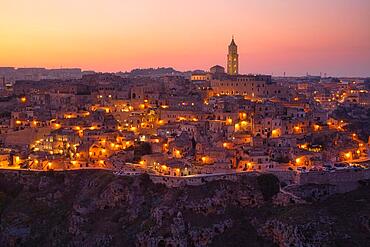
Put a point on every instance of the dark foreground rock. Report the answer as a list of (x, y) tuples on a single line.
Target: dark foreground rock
[(96, 208)]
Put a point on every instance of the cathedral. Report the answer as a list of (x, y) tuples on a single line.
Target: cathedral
[(233, 59), (249, 86)]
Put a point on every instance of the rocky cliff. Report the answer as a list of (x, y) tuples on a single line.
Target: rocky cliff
[(96, 208)]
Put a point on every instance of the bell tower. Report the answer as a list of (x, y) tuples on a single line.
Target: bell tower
[(233, 59)]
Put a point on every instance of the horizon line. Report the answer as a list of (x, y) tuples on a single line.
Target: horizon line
[(189, 70)]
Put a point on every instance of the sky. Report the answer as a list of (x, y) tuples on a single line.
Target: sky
[(273, 36)]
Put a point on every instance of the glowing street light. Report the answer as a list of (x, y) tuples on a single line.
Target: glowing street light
[(348, 155)]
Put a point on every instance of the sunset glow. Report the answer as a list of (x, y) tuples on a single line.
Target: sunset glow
[(329, 36)]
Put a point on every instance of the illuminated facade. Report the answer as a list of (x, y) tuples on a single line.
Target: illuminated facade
[(251, 86)]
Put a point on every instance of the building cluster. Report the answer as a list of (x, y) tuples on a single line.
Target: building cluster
[(9, 75), (213, 122)]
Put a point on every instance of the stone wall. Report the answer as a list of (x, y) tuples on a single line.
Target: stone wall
[(171, 181), (288, 177), (26, 136), (345, 180)]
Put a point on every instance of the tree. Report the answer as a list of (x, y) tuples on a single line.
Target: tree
[(269, 185)]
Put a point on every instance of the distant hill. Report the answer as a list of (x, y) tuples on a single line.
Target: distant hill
[(155, 72)]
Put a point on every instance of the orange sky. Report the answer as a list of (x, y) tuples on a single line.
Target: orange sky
[(295, 36)]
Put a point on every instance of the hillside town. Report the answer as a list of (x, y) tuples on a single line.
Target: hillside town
[(176, 125)]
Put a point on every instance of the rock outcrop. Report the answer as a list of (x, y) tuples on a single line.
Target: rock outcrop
[(96, 208)]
